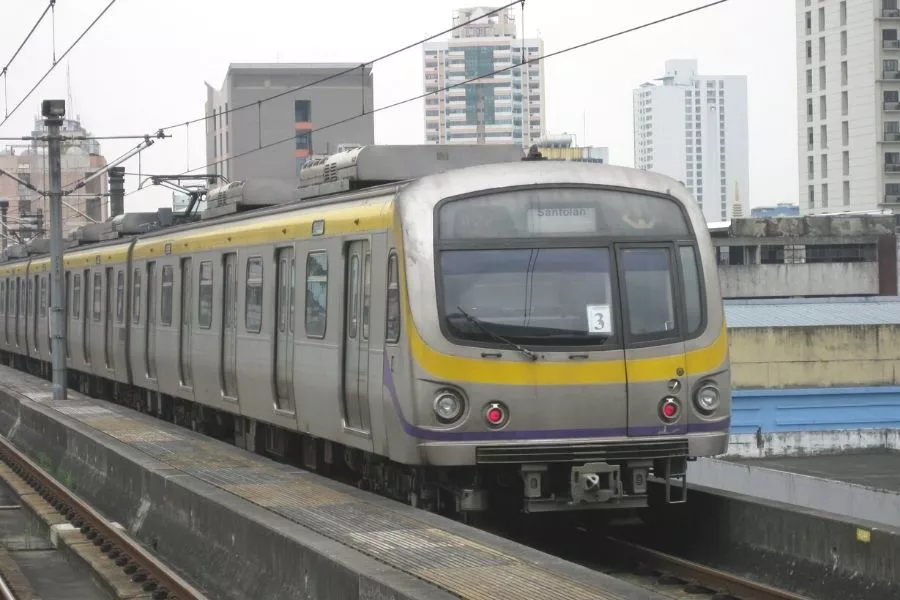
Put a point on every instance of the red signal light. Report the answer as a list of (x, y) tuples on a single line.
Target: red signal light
[(669, 409), (495, 416)]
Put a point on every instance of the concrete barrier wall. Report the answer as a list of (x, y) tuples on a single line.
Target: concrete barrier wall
[(808, 279), (815, 357)]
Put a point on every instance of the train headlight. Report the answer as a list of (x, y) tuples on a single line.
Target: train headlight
[(707, 398), (448, 406)]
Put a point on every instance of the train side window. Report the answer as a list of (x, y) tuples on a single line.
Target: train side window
[(316, 306), (293, 290), (43, 312), (76, 297), (3, 297), (205, 297), (136, 298), (367, 294), (165, 302), (690, 275), (120, 296), (254, 295), (98, 295), (392, 324), (30, 297)]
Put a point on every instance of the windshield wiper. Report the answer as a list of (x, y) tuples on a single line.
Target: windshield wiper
[(477, 322)]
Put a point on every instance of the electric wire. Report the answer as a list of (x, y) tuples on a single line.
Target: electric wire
[(57, 61), (536, 59)]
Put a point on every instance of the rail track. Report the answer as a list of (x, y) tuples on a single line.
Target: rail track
[(155, 578), (693, 579)]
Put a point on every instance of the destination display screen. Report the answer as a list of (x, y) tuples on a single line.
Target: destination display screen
[(561, 213)]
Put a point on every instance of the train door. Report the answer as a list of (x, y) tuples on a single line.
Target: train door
[(109, 348), (150, 342), (184, 363), (356, 336), (284, 330), (649, 282), (229, 328)]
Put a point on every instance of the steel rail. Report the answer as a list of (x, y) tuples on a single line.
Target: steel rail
[(146, 569), (5, 591), (741, 587)]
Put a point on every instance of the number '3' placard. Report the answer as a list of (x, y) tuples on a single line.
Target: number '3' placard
[(599, 318)]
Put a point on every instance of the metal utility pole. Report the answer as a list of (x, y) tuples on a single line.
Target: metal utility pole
[(53, 112), (4, 209)]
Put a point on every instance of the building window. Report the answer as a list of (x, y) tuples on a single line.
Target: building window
[(822, 19), (304, 140), (845, 162), (809, 109), (811, 195), (823, 112), (254, 296), (846, 193), (809, 80), (823, 160), (302, 111), (824, 195), (808, 22), (823, 136), (822, 49), (810, 167), (843, 10), (845, 133), (822, 82), (845, 103), (845, 77)]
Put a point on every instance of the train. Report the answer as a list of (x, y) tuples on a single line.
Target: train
[(461, 327)]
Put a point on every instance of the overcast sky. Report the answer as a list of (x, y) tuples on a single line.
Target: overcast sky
[(144, 64)]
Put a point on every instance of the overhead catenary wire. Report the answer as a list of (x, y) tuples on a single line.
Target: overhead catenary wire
[(472, 79), (5, 71), (258, 103), (56, 61)]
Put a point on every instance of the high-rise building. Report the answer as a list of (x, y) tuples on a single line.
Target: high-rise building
[(233, 137), (848, 90), (506, 108), (693, 128), (29, 211)]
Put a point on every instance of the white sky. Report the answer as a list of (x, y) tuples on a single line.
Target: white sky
[(144, 64)]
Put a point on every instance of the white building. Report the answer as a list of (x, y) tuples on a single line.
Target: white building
[(848, 92), (694, 128), (502, 109)]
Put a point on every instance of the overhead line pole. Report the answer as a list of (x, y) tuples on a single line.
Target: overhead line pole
[(53, 112)]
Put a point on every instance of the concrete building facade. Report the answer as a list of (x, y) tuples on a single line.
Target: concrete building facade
[(563, 147), (807, 257), (506, 108), (28, 211), (694, 128), (295, 114)]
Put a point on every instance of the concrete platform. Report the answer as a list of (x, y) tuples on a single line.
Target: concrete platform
[(854, 485), (240, 526)]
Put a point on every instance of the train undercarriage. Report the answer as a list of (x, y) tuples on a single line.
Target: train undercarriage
[(467, 493)]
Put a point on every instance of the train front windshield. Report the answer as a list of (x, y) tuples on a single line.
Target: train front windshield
[(539, 267)]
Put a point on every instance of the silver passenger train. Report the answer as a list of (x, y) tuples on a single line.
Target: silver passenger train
[(450, 325)]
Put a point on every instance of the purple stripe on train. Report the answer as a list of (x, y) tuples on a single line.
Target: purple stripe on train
[(544, 434)]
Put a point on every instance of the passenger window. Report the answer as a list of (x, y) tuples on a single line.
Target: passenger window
[(254, 295), (76, 296), (293, 290), (120, 296), (353, 307), (648, 287), (282, 293), (693, 301), (392, 325), (165, 302), (30, 297), (136, 298), (316, 294), (2, 297), (205, 297), (98, 293), (367, 294), (43, 313)]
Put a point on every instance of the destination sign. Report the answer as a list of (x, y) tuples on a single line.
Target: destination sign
[(562, 220)]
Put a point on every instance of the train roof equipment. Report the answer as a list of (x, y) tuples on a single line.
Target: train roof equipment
[(369, 166), (248, 194)]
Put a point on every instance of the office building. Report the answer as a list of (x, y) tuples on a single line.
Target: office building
[(29, 211), (694, 128), (232, 136), (848, 67), (505, 108)]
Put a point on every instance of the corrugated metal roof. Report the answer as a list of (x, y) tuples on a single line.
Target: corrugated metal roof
[(812, 312)]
